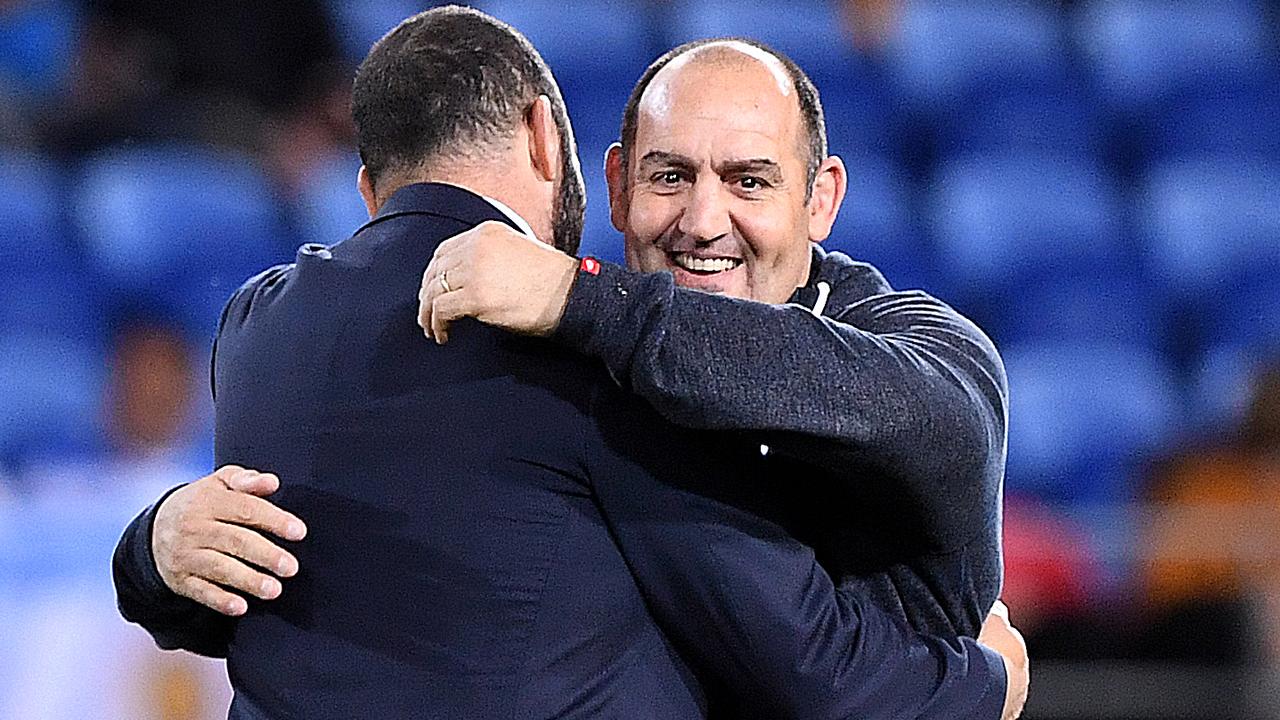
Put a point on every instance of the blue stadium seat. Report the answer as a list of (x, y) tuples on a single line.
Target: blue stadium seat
[(1222, 382), (1241, 120), (1083, 417), (37, 45), (358, 24), (33, 229), (946, 51), (606, 47), (596, 59), (178, 228), (1002, 221), (874, 224), (1212, 223), (597, 124), (67, 304), (1052, 121), (51, 397), (599, 238), (1145, 51), (1111, 307), (1246, 315), (861, 116), (810, 32), (330, 208)]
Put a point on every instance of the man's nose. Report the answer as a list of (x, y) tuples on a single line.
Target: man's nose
[(706, 217)]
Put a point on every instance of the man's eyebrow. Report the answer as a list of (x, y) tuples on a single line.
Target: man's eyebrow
[(667, 159), (766, 168)]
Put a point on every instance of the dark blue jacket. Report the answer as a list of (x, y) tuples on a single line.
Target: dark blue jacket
[(496, 531)]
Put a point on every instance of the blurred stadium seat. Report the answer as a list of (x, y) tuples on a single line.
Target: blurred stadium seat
[(50, 400), (65, 304), (1221, 385), (38, 41), (599, 238), (861, 116), (1119, 307), (1084, 416), (330, 208), (875, 225), (358, 24), (1241, 120), (948, 51), (596, 58), (33, 228), (1146, 51), (1212, 223), (178, 228), (1244, 315), (812, 33), (1061, 120), (1003, 221)]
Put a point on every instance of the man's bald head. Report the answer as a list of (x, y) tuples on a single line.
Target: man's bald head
[(734, 54)]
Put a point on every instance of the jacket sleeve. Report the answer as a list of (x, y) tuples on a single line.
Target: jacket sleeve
[(894, 382), (749, 605), (174, 622)]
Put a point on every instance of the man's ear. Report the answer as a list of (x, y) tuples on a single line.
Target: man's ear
[(619, 201), (544, 140), (365, 185), (829, 186)]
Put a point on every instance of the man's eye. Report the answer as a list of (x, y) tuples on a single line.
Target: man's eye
[(752, 183), (667, 177)]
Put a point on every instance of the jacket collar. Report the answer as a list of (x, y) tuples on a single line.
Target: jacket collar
[(441, 199)]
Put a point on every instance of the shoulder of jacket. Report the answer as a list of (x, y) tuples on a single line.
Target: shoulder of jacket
[(263, 284)]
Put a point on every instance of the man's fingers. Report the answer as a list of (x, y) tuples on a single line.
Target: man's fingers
[(254, 483), (432, 288), (254, 512), (426, 296), (225, 570), (447, 308), (213, 597), (248, 545), (226, 472)]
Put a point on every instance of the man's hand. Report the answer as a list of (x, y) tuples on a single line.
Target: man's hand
[(205, 536), (498, 276), (1005, 639)]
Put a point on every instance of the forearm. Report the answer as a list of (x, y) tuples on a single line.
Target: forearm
[(898, 383), (142, 597)]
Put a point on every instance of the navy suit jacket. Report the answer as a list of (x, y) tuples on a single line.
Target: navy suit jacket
[(498, 531)]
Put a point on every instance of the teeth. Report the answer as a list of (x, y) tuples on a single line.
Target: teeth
[(689, 262)]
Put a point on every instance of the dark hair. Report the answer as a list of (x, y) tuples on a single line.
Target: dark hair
[(449, 80), (815, 124)]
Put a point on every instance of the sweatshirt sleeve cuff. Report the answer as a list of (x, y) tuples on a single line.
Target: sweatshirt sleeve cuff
[(608, 313), (990, 705), (135, 562)]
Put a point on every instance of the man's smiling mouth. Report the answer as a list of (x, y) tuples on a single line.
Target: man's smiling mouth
[(703, 266)]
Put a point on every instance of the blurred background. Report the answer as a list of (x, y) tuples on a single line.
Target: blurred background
[(1097, 183)]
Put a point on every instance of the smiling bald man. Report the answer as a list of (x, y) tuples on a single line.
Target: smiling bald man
[(884, 412)]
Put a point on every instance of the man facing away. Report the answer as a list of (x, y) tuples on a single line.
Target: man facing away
[(369, 424)]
